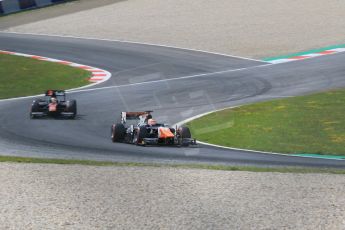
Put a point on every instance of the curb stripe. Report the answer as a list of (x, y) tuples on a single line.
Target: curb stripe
[(95, 70), (307, 55), (98, 75), (84, 67), (6, 52), (95, 79), (298, 57), (332, 157), (327, 52), (65, 62)]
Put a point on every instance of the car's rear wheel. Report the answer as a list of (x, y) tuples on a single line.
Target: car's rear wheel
[(118, 132)]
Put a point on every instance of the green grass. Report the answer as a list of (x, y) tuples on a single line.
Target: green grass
[(313, 124), (21, 76), (183, 166)]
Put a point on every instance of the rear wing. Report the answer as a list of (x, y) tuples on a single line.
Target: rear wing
[(55, 93), (134, 115)]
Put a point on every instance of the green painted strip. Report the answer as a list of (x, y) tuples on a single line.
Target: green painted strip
[(319, 156), (304, 53)]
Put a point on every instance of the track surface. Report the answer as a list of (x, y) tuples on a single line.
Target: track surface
[(175, 83)]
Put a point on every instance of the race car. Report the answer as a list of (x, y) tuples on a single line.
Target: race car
[(141, 129), (54, 104)]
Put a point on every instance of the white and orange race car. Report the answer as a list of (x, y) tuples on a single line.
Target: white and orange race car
[(54, 104), (141, 129)]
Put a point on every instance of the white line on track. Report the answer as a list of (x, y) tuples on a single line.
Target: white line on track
[(270, 153), (174, 79), (133, 42)]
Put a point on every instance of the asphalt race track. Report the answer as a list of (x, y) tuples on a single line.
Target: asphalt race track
[(176, 84)]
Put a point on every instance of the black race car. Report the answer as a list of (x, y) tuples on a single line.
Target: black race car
[(54, 104), (139, 128)]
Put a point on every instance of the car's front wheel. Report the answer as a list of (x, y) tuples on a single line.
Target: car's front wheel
[(183, 133), (34, 108), (71, 107), (118, 132)]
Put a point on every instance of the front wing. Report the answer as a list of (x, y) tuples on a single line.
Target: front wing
[(168, 141)]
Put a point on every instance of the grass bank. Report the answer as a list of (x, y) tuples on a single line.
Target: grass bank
[(21, 76), (186, 166), (312, 124)]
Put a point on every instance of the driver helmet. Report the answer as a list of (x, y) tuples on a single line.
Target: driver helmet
[(147, 117), (151, 122), (53, 100)]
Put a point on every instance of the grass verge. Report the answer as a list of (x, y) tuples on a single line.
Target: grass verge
[(182, 166), (312, 124), (21, 76)]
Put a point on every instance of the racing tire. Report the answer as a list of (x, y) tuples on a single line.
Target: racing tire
[(34, 108), (71, 106), (184, 132), (118, 132), (142, 133)]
